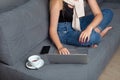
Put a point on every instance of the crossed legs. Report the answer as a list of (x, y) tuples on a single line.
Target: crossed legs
[(102, 33)]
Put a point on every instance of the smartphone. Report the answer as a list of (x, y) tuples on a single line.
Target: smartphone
[(45, 50)]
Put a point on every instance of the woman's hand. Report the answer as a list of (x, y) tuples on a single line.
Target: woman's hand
[(85, 35), (63, 51)]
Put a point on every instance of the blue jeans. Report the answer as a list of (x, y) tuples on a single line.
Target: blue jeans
[(70, 36)]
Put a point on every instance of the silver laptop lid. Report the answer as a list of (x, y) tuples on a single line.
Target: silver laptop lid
[(76, 57)]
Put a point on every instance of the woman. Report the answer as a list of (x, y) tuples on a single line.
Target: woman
[(93, 27)]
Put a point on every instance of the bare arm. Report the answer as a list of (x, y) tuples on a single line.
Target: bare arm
[(97, 19), (54, 16), (97, 13)]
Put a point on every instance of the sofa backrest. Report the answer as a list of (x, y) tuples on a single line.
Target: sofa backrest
[(100, 1), (21, 29), (6, 5), (116, 1)]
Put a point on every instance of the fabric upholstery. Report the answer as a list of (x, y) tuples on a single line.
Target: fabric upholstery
[(100, 1), (22, 29), (98, 57), (87, 8), (6, 5)]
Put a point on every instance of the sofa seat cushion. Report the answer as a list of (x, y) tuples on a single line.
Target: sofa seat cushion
[(98, 58), (21, 29)]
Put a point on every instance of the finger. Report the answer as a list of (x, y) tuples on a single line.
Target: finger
[(81, 37), (67, 52), (84, 40), (64, 52), (88, 39), (60, 52)]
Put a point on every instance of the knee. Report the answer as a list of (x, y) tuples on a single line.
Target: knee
[(108, 13), (95, 38)]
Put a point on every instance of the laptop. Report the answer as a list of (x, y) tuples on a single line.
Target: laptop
[(73, 58)]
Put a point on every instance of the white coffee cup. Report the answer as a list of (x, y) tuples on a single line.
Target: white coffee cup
[(35, 61)]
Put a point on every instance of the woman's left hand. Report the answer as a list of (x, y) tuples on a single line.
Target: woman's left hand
[(85, 35)]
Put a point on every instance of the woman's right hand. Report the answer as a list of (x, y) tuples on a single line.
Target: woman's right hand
[(63, 51)]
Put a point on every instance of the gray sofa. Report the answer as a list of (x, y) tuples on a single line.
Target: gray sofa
[(24, 31)]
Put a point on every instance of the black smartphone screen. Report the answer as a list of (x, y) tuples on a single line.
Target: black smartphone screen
[(45, 50)]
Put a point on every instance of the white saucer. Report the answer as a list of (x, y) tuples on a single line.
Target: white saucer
[(32, 67)]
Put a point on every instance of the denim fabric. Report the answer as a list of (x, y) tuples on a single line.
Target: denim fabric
[(70, 36), (107, 17)]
